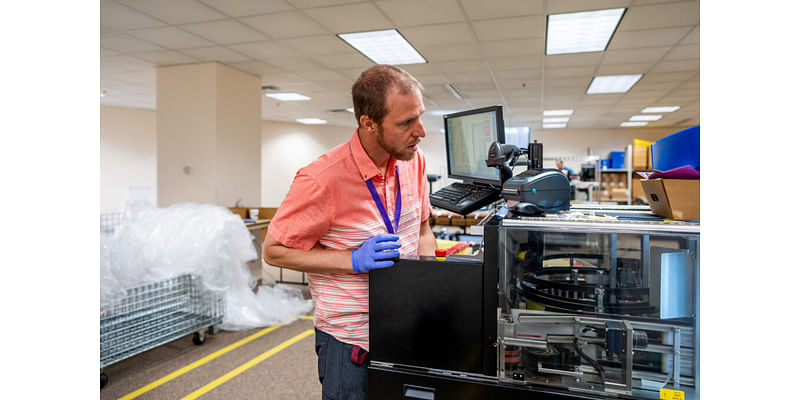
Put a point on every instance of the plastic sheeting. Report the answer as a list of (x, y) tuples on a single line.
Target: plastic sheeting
[(151, 244)]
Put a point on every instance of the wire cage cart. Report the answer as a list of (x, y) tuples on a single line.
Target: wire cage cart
[(154, 313)]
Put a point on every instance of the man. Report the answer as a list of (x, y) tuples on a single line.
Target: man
[(565, 170), (353, 210)]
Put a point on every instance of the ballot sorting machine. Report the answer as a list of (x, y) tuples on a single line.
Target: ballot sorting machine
[(556, 308)]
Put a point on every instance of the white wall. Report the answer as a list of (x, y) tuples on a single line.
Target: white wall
[(127, 154), (286, 147)]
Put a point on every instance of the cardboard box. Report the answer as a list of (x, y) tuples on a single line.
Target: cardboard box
[(638, 191), (673, 198), (641, 157), (442, 219), (458, 220)]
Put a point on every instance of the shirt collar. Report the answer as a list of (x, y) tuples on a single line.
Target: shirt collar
[(366, 167)]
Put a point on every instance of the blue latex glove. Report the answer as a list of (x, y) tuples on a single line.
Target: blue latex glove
[(376, 252)]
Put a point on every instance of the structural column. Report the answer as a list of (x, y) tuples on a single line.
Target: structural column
[(208, 123)]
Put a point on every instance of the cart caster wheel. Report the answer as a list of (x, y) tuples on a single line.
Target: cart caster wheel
[(103, 379), (198, 339), (213, 330)]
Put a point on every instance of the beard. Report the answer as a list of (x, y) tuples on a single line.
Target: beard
[(399, 152)]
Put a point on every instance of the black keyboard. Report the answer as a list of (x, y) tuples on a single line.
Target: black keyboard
[(464, 198)]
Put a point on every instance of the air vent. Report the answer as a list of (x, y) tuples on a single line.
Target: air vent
[(270, 87)]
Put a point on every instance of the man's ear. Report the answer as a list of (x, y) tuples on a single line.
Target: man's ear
[(368, 123)]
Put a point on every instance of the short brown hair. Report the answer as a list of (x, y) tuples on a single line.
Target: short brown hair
[(369, 91)]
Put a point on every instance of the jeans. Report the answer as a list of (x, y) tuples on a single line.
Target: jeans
[(341, 378)]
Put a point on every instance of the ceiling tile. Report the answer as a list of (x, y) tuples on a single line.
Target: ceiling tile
[(123, 43), (681, 13), (648, 38), (621, 69), (532, 62), (161, 58), (253, 67), (296, 64), (241, 8), (468, 77), (473, 65), (175, 11), (339, 19), (215, 53), (322, 75), (510, 48), (266, 50), (347, 60), (285, 24), (654, 76), (633, 56), (679, 65), (450, 52), (320, 3), (569, 72), (521, 73), (225, 32), (318, 45), (431, 35), (565, 6), (406, 13), (171, 38), (123, 63), (119, 18), (482, 9), (693, 37), (689, 51), (107, 52), (572, 60), (510, 28)]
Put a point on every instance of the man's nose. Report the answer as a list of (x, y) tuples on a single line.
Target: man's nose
[(420, 130)]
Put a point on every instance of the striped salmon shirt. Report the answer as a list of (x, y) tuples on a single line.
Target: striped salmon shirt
[(329, 206)]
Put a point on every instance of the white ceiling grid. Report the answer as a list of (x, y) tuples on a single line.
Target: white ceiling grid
[(491, 51)]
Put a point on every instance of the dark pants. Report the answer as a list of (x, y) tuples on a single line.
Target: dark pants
[(341, 378)]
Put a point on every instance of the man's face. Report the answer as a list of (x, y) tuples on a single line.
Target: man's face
[(401, 129)]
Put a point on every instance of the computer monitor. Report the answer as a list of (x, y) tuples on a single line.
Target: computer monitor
[(468, 135), (519, 136)]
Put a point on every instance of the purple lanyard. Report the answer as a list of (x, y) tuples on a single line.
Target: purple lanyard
[(397, 207)]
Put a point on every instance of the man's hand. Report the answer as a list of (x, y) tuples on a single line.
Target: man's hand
[(376, 252)]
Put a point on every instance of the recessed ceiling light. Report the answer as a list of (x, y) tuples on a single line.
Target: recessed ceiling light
[(351, 110), (629, 123), (554, 113), (557, 119), (547, 126), (311, 121), (442, 112), (645, 118), (581, 32), (384, 47), (661, 109), (612, 83), (288, 96)]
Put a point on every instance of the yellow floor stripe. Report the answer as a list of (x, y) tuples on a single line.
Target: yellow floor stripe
[(244, 367), (177, 373)]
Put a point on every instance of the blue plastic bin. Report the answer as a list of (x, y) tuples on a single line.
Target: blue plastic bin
[(617, 159), (605, 163), (676, 150)]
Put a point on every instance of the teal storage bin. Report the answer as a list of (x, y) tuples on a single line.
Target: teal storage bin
[(676, 150)]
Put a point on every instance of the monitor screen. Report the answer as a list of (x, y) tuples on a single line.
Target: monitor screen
[(468, 135), (519, 136)]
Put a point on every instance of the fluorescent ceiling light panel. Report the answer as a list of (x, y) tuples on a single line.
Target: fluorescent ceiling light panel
[(581, 32), (384, 47), (556, 113), (556, 119), (547, 126), (311, 121), (290, 96), (629, 123), (645, 118), (612, 83), (664, 109), (351, 109)]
